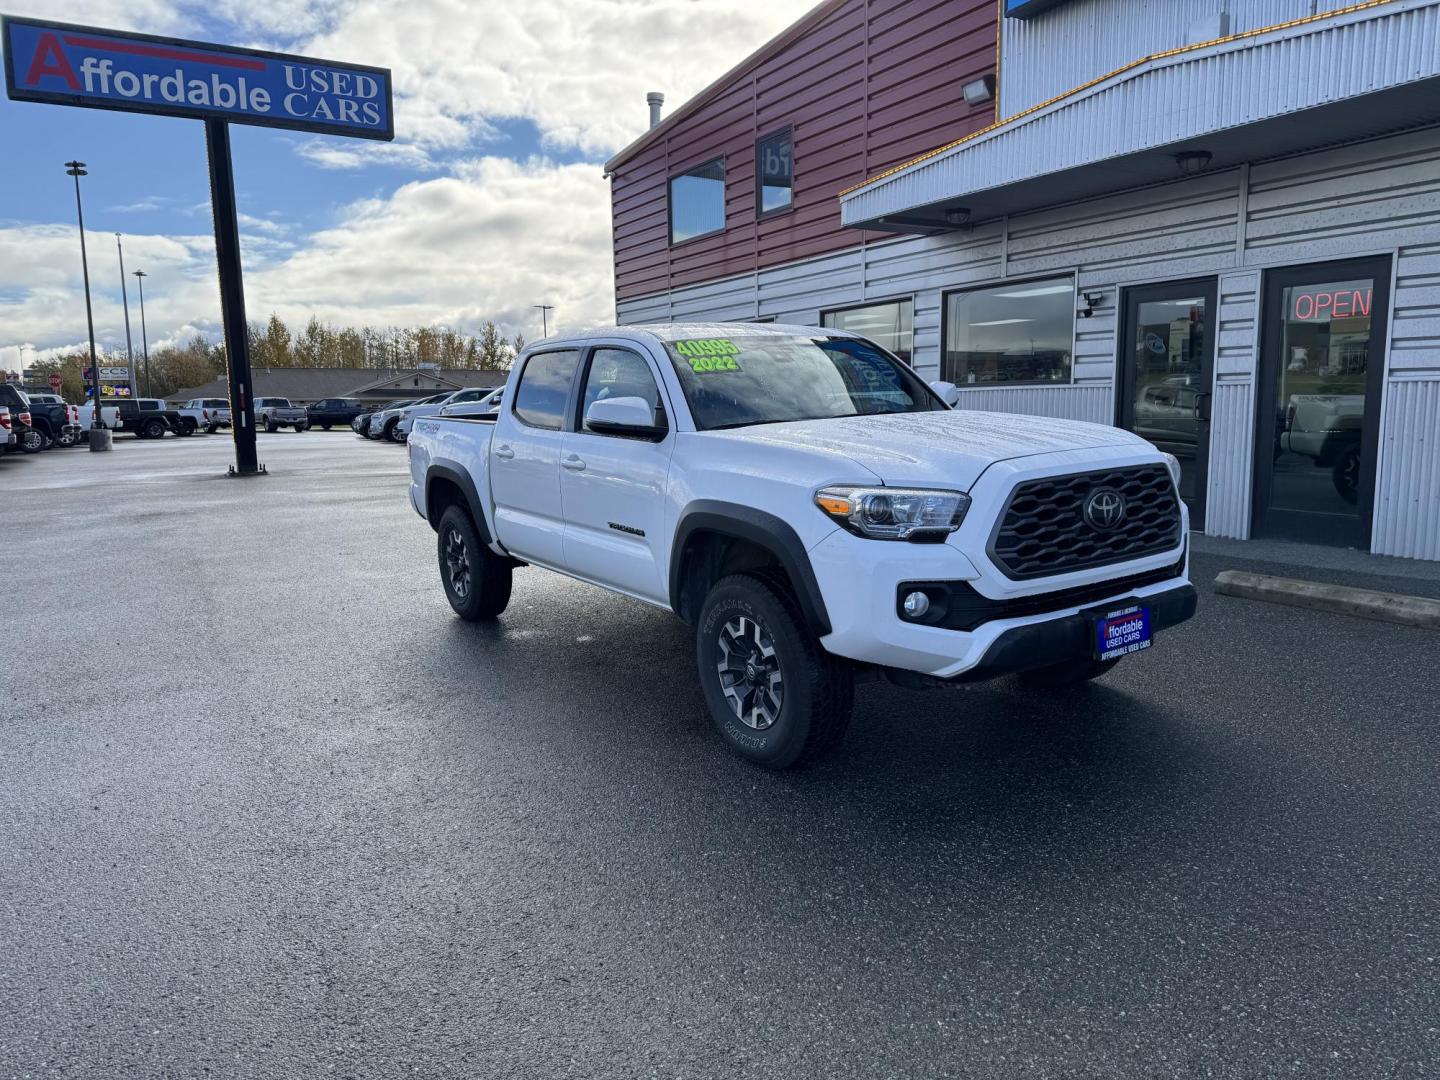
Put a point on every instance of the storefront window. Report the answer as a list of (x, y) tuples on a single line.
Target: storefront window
[(697, 201), (1021, 333), (890, 325)]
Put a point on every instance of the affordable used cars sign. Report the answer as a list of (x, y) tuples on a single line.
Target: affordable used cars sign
[(103, 69)]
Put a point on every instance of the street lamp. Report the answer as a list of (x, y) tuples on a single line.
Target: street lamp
[(99, 436), (545, 310), (125, 297), (140, 276)]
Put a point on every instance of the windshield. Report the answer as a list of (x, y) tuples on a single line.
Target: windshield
[(735, 382)]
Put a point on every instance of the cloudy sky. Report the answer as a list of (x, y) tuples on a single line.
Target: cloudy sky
[(491, 198)]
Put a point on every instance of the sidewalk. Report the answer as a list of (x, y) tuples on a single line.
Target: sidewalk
[(1314, 562)]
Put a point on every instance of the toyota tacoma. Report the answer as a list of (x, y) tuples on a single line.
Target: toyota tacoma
[(815, 511)]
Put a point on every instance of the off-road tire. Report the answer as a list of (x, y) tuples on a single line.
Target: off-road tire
[(1070, 674), (818, 689), (483, 592)]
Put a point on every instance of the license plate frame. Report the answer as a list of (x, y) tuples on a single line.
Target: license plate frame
[(1120, 629)]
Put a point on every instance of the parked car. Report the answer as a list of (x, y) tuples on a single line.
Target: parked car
[(9, 441), (280, 413), (361, 424), (470, 395), (334, 412), (487, 406), (815, 511), (51, 422), (209, 414), (382, 426)]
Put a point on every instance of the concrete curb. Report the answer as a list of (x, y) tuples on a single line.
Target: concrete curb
[(1342, 599)]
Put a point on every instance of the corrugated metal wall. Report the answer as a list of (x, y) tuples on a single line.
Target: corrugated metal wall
[(1084, 39), (1379, 197)]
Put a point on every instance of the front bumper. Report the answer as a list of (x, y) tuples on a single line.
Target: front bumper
[(1070, 637)]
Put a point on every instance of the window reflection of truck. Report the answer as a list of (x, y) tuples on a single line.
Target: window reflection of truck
[(1327, 428), (1166, 414)]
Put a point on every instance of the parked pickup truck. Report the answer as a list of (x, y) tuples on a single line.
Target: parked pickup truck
[(9, 440), (815, 511), (151, 418), (273, 413), (51, 420), (209, 414)]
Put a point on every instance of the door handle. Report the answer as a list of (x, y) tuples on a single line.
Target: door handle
[(504, 453), (1202, 407), (573, 463)]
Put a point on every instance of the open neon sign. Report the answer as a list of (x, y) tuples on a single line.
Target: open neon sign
[(1342, 300)]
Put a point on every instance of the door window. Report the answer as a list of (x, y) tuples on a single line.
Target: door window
[(545, 387), (617, 373), (1322, 406), (1167, 381)]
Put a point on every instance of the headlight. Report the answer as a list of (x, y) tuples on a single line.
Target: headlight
[(1173, 464), (894, 513)]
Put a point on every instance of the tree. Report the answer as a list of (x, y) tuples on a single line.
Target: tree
[(270, 347)]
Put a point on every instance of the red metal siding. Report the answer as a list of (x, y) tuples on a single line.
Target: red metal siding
[(871, 84)]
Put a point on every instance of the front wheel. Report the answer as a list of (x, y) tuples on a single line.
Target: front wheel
[(477, 581), (1069, 674), (776, 696)]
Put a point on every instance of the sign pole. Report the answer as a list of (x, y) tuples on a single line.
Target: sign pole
[(232, 297)]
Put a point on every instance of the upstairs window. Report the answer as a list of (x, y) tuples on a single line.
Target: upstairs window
[(774, 172), (697, 201)]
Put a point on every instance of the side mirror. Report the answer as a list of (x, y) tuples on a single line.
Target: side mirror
[(627, 417), (947, 391)]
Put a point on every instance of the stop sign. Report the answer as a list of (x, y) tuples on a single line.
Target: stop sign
[(55, 381)]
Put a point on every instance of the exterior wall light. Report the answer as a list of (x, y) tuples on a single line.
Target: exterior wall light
[(957, 216), (1193, 162), (979, 91)]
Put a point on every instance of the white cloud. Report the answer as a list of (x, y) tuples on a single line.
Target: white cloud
[(486, 242)]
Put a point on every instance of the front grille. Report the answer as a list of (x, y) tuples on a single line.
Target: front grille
[(1043, 530)]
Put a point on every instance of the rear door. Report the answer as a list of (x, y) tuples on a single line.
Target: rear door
[(612, 487), (525, 458)]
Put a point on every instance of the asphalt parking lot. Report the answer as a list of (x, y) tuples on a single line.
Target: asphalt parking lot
[(267, 809)]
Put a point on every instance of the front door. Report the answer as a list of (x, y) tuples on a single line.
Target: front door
[(1321, 365), (1167, 376), (614, 487)]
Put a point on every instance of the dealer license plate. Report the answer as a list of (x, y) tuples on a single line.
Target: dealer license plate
[(1122, 632)]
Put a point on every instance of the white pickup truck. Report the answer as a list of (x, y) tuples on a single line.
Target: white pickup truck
[(815, 511)]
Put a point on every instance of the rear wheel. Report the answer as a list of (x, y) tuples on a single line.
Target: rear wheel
[(211, 429), (65, 439), (33, 441), (775, 695), (155, 429), (477, 581), (1070, 673), (271, 428), (300, 427), (324, 427)]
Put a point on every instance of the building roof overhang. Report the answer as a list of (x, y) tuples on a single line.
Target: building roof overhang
[(1361, 71)]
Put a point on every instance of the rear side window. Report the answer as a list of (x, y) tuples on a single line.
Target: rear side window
[(544, 388)]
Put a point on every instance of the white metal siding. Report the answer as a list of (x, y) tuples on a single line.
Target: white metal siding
[(1174, 99), (1039, 57), (1378, 197)]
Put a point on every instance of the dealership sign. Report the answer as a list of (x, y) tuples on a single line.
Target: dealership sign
[(102, 69)]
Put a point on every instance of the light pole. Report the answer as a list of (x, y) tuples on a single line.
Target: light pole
[(140, 277), (125, 297), (99, 435), (545, 310)]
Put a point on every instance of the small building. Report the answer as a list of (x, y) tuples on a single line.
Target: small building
[(304, 386), (1216, 223)]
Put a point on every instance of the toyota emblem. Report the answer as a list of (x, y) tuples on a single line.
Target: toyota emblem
[(1104, 508)]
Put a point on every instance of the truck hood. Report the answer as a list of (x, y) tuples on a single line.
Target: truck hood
[(934, 449)]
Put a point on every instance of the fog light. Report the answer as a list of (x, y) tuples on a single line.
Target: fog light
[(916, 604)]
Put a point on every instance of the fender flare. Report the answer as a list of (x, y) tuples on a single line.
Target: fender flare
[(757, 527), (452, 472)]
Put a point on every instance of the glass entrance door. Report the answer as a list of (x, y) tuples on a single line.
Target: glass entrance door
[(1321, 365), (1167, 374)]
